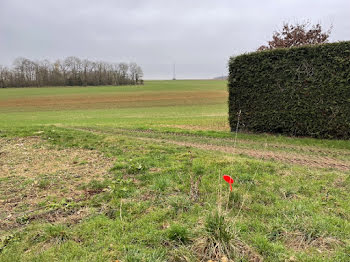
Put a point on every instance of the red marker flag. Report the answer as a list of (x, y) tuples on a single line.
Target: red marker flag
[(229, 180)]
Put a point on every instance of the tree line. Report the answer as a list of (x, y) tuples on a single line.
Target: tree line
[(71, 71)]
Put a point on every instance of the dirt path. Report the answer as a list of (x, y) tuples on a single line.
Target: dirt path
[(315, 161), (240, 142), (319, 162)]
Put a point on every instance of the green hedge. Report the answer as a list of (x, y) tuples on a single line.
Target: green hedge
[(303, 91)]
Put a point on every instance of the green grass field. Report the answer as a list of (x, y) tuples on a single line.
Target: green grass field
[(134, 173)]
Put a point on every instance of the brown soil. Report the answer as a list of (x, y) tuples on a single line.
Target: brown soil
[(114, 100), (33, 172)]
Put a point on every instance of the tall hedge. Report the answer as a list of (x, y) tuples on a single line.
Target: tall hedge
[(303, 91)]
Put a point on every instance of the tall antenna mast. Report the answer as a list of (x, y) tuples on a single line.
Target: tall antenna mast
[(174, 74)]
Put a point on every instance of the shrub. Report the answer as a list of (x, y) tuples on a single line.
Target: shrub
[(303, 91)]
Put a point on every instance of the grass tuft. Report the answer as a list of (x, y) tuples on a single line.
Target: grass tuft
[(218, 238), (178, 234)]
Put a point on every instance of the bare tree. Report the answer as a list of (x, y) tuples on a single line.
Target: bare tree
[(133, 72), (70, 71), (138, 75), (297, 35), (123, 69), (3, 71)]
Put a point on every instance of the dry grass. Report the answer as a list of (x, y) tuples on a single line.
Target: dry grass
[(219, 241), (33, 173), (215, 125), (298, 241)]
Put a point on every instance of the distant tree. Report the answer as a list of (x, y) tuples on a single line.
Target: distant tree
[(3, 72), (139, 75), (297, 35), (71, 71), (123, 71), (135, 73)]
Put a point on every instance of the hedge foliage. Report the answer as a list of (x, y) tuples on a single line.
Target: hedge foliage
[(303, 91)]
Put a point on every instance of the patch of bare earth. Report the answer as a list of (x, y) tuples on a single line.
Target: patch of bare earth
[(39, 181)]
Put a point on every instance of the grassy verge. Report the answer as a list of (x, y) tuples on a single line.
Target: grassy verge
[(168, 202), (135, 174)]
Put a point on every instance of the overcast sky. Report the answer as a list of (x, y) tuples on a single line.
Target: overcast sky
[(198, 35)]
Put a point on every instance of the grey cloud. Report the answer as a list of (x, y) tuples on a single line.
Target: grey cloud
[(199, 36)]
